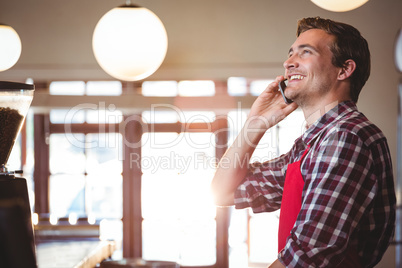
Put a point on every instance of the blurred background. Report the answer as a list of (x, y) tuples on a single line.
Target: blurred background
[(134, 159)]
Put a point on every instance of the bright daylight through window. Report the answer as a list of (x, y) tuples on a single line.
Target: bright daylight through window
[(179, 221)]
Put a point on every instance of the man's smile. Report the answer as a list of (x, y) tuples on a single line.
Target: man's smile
[(295, 77)]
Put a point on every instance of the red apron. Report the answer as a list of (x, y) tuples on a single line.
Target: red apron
[(291, 201), (290, 208)]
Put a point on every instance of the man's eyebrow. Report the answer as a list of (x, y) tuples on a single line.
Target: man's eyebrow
[(302, 46)]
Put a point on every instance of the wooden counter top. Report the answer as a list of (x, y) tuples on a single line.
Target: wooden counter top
[(73, 254)]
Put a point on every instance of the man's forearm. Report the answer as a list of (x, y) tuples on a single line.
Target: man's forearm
[(233, 166), (267, 110)]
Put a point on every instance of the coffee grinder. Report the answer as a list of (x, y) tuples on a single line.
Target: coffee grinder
[(17, 247)]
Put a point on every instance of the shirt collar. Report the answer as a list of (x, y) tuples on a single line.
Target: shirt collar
[(324, 121)]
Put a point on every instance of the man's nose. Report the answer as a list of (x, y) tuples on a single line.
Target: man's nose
[(291, 62)]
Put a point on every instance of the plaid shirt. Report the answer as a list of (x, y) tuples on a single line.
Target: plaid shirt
[(348, 197)]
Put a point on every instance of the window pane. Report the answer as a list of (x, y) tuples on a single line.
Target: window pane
[(154, 187), (238, 238), (264, 237), (61, 116), (196, 88), (104, 88), (104, 116), (258, 86), (104, 156), (290, 129), (176, 198), (183, 164), (236, 120), (67, 88), (159, 88), (267, 148), (237, 86), (67, 194), (191, 199), (160, 240), (67, 153), (104, 196), (152, 145), (186, 242)]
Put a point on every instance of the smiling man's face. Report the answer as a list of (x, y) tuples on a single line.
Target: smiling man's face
[(309, 69)]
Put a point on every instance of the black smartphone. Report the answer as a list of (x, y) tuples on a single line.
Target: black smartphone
[(282, 86)]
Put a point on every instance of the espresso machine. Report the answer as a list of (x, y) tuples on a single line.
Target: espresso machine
[(17, 247)]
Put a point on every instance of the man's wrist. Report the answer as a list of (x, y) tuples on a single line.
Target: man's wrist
[(253, 130)]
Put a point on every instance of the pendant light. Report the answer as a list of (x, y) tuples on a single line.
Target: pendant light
[(398, 51), (10, 47), (339, 5), (129, 42)]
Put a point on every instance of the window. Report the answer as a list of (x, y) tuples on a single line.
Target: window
[(160, 88), (181, 88), (237, 86), (258, 86), (79, 162), (241, 86), (196, 88), (85, 168), (85, 175), (94, 88), (67, 88), (156, 191)]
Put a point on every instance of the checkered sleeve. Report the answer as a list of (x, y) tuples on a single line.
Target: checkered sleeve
[(263, 186), (338, 193)]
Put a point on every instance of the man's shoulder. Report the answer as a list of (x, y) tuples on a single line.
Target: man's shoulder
[(356, 123)]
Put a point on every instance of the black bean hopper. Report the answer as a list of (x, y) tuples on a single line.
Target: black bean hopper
[(17, 248)]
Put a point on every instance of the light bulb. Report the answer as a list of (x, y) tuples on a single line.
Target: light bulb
[(10, 47), (339, 5), (398, 51), (129, 42)]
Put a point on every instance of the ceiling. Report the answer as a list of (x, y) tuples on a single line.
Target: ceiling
[(207, 39)]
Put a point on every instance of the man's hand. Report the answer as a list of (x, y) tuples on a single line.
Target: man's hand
[(270, 108)]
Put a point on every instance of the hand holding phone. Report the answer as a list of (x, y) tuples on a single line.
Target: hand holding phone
[(282, 87)]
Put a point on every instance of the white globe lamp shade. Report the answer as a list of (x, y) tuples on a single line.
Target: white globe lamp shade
[(10, 47), (339, 5), (129, 42), (398, 51)]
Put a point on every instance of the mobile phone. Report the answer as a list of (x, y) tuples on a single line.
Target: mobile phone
[(282, 86)]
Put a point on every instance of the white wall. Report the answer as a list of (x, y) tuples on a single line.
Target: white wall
[(211, 39)]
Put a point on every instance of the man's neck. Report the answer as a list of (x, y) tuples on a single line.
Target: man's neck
[(313, 113), (315, 108)]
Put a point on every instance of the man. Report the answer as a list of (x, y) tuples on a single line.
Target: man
[(335, 187)]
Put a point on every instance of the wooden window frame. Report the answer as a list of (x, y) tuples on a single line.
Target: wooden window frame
[(132, 218)]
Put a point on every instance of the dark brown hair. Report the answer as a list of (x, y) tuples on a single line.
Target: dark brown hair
[(348, 44)]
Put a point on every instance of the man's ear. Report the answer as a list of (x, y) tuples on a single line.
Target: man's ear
[(347, 70)]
